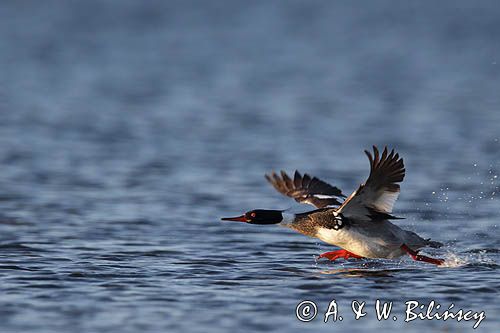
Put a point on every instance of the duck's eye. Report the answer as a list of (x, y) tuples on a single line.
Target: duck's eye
[(252, 214)]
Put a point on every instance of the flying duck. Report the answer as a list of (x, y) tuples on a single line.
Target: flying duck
[(360, 224)]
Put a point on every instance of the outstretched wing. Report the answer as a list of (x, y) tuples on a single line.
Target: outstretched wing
[(375, 199), (305, 189)]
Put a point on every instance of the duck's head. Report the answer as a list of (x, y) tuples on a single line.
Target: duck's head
[(258, 216)]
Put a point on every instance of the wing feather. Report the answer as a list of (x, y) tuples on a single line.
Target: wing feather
[(379, 194), (305, 189)]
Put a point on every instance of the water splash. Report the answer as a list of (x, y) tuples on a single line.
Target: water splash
[(474, 257), (452, 260)]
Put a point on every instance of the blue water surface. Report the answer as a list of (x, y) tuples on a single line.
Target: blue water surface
[(128, 128)]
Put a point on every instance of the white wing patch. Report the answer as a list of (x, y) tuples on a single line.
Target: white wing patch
[(385, 202), (323, 196), (380, 190)]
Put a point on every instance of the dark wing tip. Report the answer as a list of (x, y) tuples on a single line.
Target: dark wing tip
[(370, 157), (297, 179), (386, 169)]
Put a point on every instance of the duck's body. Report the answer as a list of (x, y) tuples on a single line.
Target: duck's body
[(380, 239), (360, 225)]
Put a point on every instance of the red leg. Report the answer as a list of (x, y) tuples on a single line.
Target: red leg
[(418, 257), (332, 255)]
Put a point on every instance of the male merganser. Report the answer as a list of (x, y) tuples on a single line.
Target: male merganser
[(360, 225)]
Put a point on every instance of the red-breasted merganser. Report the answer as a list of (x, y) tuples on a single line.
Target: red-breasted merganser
[(360, 225)]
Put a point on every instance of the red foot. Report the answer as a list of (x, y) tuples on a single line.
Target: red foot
[(418, 257), (339, 254)]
